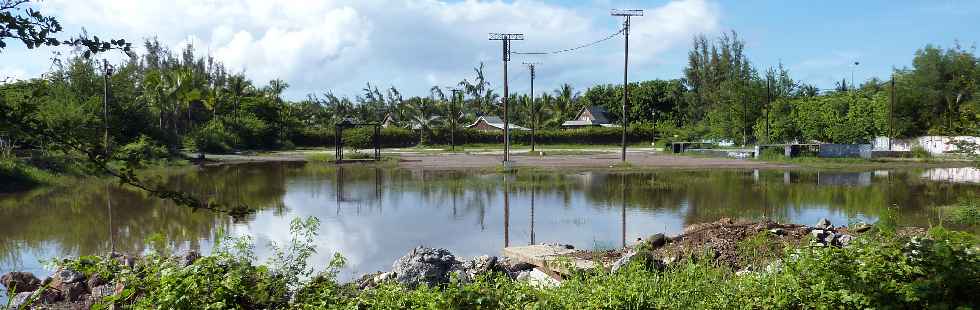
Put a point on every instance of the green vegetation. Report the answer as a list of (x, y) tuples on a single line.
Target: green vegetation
[(879, 270), (19, 176)]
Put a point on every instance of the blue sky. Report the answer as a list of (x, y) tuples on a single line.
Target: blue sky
[(338, 46)]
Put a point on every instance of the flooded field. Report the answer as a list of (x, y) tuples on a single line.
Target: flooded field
[(375, 215)]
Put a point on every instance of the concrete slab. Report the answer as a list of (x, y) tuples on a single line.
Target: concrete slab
[(552, 258)]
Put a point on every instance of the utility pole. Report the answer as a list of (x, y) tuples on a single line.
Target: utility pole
[(505, 38), (106, 72), (768, 107), (626, 56), (891, 114), (534, 113), (453, 114)]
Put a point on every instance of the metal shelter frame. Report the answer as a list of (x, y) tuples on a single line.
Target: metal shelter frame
[(350, 123)]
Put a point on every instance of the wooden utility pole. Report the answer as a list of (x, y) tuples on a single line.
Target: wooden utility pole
[(106, 72), (768, 107), (534, 113), (891, 114), (505, 38), (453, 114), (626, 56)]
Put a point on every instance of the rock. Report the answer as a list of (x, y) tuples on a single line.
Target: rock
[(95, 281), (424, 265), (124, 259), (513, 267), (69, 276), (189, 258), (622, 261), (18, 282), (824, 224), (20, 300), (100, 292), (538, 278), (778, 231), (743, 272), (74, 291), (373, 280), (861, 227), (843, 240), (118, 288), (485, 264), (51, 295), (657, 241)]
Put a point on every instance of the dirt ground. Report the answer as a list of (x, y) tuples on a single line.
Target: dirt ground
[(601, 160)]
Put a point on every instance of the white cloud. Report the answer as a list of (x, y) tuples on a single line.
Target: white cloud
[(412, 44)]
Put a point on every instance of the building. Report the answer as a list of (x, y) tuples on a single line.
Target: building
[(590, 117), (389, 121), (492, 123)]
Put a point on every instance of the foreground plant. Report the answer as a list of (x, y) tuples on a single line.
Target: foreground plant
[(878, 270)]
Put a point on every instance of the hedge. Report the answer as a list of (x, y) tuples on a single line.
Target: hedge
[(400, 137)]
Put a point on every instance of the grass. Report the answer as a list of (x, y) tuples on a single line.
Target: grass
[(321, 157)]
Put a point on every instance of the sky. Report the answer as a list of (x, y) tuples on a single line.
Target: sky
[(339, 46)]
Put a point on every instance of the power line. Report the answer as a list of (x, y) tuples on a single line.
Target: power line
[(574, 48)]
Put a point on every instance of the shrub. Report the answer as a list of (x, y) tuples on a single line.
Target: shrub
[(143, 149), (920, 152), (213, 137)]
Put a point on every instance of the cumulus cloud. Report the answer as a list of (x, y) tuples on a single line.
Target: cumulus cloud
[(412, 44)]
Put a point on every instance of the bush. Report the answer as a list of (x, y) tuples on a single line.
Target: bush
[(594, 135), (920, 152), (143, 149), (213, 137)]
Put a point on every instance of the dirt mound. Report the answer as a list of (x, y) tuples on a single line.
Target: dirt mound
[(731, 243)]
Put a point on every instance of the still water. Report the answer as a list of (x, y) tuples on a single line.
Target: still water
[(374, 215)]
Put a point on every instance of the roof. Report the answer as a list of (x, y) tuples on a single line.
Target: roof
[(496, 122), (599, 118), (598, 113), (578, 123)]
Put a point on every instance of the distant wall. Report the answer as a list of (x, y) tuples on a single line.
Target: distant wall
[(845, 150), (933, 144)]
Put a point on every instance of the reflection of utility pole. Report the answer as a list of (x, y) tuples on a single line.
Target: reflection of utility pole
[(532, 215), (505, 38), (623, 176), (112, 232), (534, 113), (626, 56), (506, 213)]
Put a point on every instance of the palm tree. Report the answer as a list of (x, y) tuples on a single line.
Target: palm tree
[(421, 114), (563, 105), (275, 89)]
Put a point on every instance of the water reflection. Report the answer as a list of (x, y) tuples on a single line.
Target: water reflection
[(374, 215)]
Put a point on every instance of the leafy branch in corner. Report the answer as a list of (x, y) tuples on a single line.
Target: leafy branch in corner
[(21, 22)]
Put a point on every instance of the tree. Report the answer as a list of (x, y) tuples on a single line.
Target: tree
[(19, 21), (563, 106)]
